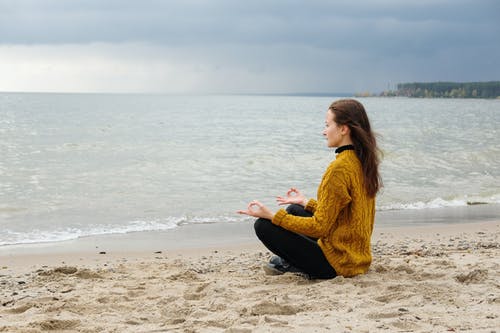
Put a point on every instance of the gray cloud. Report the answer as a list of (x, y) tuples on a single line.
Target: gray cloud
[(326, 45), (317, 23)]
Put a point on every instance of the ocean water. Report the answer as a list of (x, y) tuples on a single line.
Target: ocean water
[(74, 165)]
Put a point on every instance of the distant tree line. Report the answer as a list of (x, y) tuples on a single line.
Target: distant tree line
[(447, 90)]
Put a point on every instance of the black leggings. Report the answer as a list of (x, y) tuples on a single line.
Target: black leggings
[(300, 251)]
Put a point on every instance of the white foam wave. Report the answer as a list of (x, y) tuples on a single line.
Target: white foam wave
[(11, 237), (441, 203), (42, 236)]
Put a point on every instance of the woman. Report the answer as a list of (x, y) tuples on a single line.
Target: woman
[(329, 236)]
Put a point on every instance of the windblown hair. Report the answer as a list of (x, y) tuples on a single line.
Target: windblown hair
[(352, 113)]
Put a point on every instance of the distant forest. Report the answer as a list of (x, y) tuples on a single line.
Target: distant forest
[(447, 90)]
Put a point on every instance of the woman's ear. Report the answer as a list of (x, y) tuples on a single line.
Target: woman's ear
[(345, 130)]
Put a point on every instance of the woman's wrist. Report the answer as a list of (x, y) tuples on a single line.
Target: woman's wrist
[(304, 202)]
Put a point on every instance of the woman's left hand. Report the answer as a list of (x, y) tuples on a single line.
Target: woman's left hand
[(257, 209)]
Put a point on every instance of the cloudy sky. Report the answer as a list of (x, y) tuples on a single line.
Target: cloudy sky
[(257, 46)]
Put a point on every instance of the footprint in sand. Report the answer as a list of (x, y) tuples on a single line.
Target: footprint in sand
[(65, 270), (270, 308), (21, 309), (88, 274), (69, 270), (57, 324), (196, 292), (387, 298), (476, 276)]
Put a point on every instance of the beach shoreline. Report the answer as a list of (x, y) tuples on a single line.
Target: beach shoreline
[(193, 236), (189, 241), (423, 279)]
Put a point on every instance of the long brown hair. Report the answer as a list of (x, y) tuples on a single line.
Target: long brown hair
[(352, 113)]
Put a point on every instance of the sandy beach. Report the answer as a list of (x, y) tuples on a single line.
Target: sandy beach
[(443, 278)]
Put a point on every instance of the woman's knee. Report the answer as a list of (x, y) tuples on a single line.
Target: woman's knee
[(261, 226), (296, 210)]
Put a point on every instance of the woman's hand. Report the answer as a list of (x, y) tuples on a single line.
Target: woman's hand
[(293, 196), (257, 209)]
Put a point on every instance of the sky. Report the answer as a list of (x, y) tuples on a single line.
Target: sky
[(257, 46)]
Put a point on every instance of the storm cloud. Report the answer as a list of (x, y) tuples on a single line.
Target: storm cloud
[(248, 47)]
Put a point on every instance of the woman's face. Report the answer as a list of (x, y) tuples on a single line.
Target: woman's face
[(333, 132)]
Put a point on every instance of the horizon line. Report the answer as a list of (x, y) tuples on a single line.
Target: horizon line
[(305, 94)]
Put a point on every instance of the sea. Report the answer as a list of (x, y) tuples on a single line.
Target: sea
[(76, 165)]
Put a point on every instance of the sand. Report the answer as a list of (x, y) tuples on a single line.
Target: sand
[(425, 279)]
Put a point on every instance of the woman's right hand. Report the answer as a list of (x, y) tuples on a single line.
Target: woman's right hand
[(293, 196)]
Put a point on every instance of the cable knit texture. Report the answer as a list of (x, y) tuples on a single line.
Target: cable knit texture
[(343, 217)]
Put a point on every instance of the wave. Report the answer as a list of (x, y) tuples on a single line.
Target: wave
[(11, 237), (35, 236), (441, 203)]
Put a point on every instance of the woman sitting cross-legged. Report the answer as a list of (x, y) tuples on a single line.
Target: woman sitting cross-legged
[(329, 236)]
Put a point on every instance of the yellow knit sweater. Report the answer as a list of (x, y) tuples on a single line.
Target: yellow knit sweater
[(343, 217)]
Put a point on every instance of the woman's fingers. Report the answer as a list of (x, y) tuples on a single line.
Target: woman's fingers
[(257, 209), (293, 192), (254, 204), (252, 208), (282, 201)]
